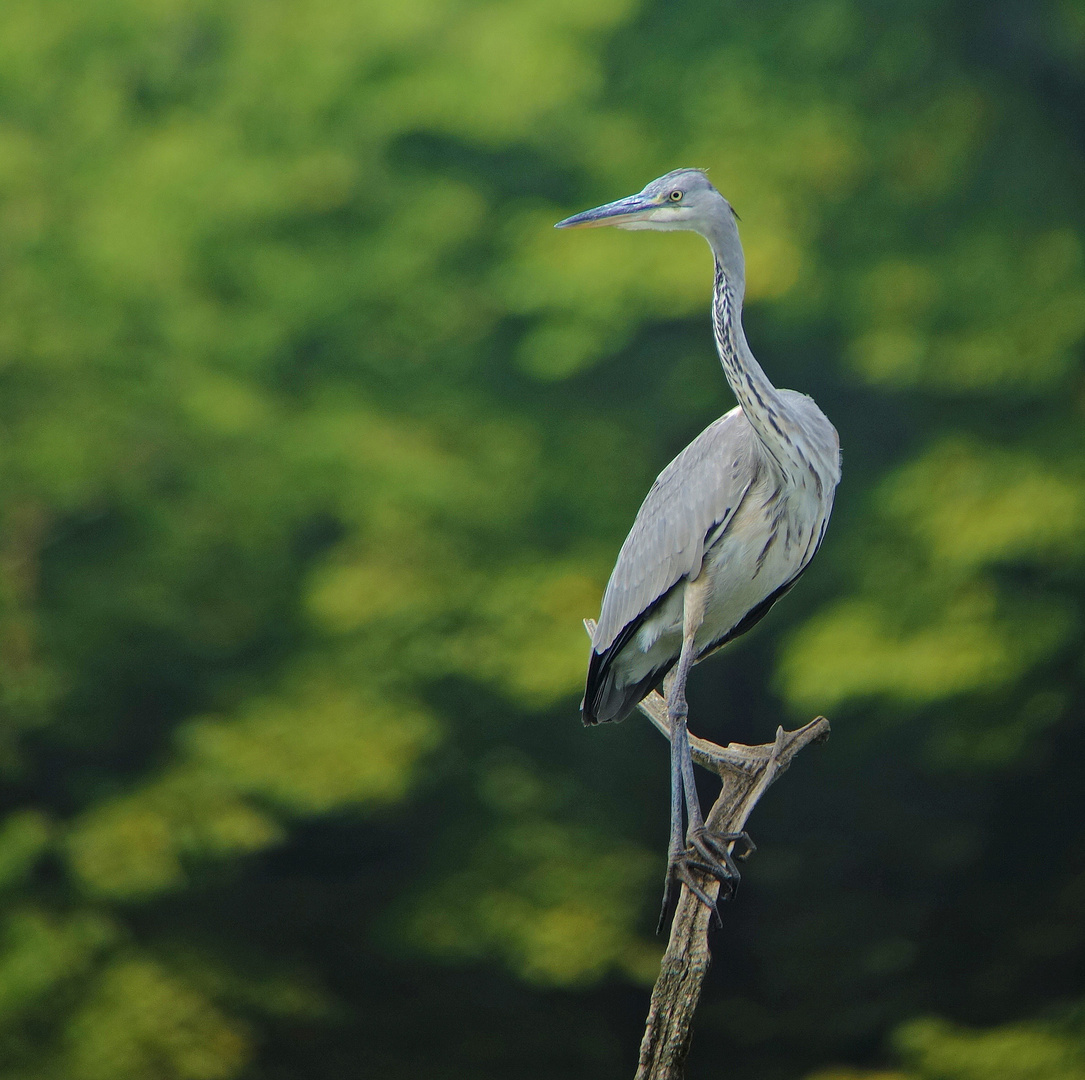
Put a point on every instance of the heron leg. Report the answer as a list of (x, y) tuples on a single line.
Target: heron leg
[(679, 863), (675, 846), (710, 853)]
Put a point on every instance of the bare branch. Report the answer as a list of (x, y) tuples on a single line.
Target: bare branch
[(669, 1026)]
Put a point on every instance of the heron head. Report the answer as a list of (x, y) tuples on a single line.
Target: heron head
[(683, 199)]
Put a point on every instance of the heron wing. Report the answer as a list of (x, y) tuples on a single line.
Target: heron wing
[(689, 506)]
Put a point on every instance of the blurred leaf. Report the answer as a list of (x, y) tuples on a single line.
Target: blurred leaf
[(556, 904), (39, 952), (854, 650), (135, 845), (317, 747), (24, 835), (142, 1023), (944, 1051), (971, 505)]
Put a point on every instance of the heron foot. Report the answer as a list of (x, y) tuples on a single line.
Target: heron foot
[(709, 854), (680, 871), (715, 851)]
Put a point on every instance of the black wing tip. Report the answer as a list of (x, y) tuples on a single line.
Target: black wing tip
[(588, 718), (605, 703), (602, 704), (593, 690)]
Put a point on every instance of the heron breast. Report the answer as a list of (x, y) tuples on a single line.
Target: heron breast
[(765, 548)]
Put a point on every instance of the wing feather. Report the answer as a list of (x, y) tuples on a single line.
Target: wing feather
[(697, 494)]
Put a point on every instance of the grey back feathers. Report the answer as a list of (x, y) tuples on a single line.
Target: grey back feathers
[(707, 481)]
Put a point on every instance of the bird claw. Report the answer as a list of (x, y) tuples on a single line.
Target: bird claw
[(680, 870), (715, 849), (709, 854)]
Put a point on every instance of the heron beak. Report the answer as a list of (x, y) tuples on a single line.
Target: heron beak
[(618, 213)]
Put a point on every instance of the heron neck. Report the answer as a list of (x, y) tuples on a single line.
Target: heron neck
[(760, 400)]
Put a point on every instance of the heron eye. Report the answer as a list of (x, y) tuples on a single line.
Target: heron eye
[(676, 196)]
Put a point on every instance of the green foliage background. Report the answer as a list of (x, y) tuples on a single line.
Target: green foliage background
[(317, 443)]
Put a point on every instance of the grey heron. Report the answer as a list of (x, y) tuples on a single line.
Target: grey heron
[(725, 531)]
